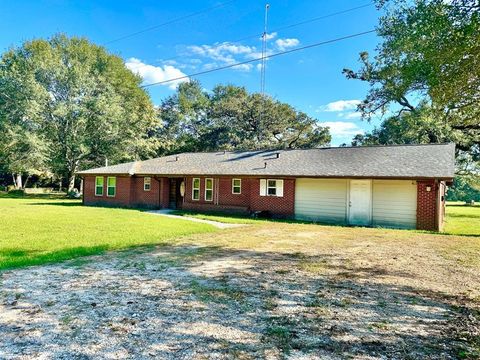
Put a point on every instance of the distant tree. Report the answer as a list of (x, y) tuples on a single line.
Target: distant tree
[(462, 190), (426, 74), (82, 102), (230, 118)]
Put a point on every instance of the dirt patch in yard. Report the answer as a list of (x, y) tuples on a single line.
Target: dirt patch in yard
[(270, 291)]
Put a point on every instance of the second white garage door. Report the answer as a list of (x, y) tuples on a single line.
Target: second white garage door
[(395, 203)]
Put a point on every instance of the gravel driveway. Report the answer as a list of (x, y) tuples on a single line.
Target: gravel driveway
[(204, 302)]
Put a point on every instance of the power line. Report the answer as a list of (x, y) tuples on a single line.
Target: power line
[(260, 58), (169, 22), (289, 26)]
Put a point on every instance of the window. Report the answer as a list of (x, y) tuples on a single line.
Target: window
[(99, 186), (111, 186), (236, 186), (147, 183), (208, 189), (196, 189), (271, 187)]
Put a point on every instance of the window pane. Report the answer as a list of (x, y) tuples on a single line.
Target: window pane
[(272, 191), (209, 184), (196, 194), (272, 183), (196, 183), (236, 182), (111, 191), (112, 181), (99, 181), (99, 190), (208, 195)]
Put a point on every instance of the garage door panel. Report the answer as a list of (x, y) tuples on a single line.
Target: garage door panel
[(395, 203), (321, 199)]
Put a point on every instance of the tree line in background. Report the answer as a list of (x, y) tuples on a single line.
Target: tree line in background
[(66, 104)]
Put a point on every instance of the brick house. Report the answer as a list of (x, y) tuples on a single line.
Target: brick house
[(400, 186)]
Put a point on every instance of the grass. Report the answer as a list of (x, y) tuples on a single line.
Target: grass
[(338, 264), (462, 219), (217, 216), (38, 229)]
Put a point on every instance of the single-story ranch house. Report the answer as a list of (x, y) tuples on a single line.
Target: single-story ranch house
[(393, 186)]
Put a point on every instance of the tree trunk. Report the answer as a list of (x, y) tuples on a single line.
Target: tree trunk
[(71, 182), (18, 182), (14, 181), (26, 181)]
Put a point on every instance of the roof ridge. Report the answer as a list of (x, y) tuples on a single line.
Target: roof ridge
[(309, 149)]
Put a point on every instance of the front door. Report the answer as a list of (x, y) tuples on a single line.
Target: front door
[(175, 198), (360, 202)]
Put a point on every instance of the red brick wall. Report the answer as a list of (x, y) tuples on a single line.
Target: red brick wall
[(122, 194), (142, 198), (164, 192), (248, 200), (427, 205), (281, 206)]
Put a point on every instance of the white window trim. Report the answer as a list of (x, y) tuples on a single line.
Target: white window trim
[(194, 188), (270, 187), (233, 187), (103, 185), (266, 187), (149, 183), (114, 187), (205, 194)]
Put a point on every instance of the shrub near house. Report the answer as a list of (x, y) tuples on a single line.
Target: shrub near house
[(397, 186)]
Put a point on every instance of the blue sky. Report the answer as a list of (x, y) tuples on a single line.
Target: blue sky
[(310, 80)]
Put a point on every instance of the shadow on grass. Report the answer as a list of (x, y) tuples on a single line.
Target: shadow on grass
[(58, 203), (472, 216), (4, 195)]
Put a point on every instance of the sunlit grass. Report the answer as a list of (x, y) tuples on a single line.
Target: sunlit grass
[(37, 230)]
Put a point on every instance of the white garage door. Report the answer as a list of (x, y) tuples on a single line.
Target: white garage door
[(395, 203), (321, 200)]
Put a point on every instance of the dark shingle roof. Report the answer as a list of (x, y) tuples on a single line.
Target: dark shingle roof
[(397, 161)]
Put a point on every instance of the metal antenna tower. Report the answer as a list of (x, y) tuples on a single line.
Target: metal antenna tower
[(264, 52)]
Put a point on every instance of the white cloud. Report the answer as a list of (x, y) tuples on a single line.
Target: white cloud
[(284, 44), (342, 128), (353, 115), (340, 105), (270, 36), (226, 53), (243, 67), (153, 74), (222, 54)]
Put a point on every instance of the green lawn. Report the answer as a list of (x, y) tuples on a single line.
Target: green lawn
[(464, 220), (461, 219), (37, 230)]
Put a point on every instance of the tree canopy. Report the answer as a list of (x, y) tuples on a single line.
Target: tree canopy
[(67, 103), (229, 118), (427, 71)]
